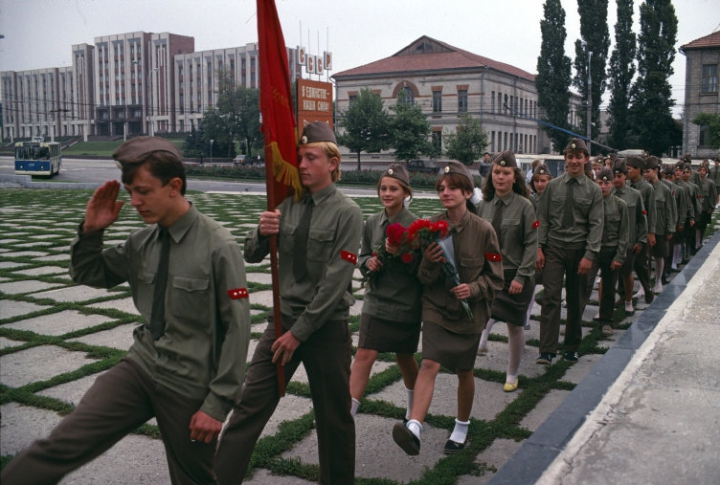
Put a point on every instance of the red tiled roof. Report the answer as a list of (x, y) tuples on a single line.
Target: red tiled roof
[(712, 40), (445, 57)]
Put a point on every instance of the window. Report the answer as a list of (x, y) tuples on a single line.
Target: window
[(352, 98), (462, 100), (492, 102), (437, 139), (405, 96), (704, 136), (709, 78), (437, 101)]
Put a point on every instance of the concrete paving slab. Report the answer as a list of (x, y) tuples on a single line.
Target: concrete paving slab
[(544, 408), (74, 294), (21, 425), (61, 323), (19, 287), (261, 298), (289, 408), (264, 477), (35, 244), (11, 264), (71, 392), (120, 337), (580, 369), (9, 241), (54, 258), (125, 305), (489, 397), (6, 343), (20, 368), (260, 278), (495, 456), (11, 308), (497, 359), (24, 254), (42, 270)]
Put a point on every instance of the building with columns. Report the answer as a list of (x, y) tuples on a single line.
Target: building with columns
[(701, 92), (446, 82)]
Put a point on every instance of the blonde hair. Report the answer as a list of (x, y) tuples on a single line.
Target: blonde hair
[(331, 150)]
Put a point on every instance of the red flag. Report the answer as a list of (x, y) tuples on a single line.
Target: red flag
[(278, 117)]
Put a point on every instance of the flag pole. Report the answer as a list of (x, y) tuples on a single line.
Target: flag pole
[(279, 131)]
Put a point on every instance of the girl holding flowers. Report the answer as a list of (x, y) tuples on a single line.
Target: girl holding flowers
[(390, 320), (451, 330), (506, 203)]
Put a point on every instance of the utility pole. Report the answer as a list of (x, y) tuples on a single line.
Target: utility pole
[(589, 106)]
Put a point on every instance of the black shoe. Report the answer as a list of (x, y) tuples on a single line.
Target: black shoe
[(452, 447), (570, 356), (545, 358), (405, 421), (406, 440), (664, 280), (649, 296)]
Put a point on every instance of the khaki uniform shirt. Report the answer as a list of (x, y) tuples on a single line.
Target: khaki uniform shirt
[(709, 194), (477, 259), (646, 190), (615, 227), (394, 292), (203, 351), (332, 247), (637, 218), (587, 215), (682, 203), (518, 233), (714, 175), (665, 209), (690, 199)]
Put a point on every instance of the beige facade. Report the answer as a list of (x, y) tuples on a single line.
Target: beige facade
[(198, 76), (701, 92), (446, 82)]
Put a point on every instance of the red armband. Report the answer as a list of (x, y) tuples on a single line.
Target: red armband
[(348, 256), (238, 293), (493, 257)]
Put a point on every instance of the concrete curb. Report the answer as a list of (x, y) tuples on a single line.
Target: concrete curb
[(26, 182), (539, 451)]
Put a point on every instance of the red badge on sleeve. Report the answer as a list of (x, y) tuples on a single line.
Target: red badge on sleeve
[(348, 256), (536, 224), (238, 293), (644, 213), (493, 257)]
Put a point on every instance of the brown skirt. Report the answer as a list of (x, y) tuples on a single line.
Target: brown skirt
[(512, 308), (388, 336), (456, 351), (661, 248)]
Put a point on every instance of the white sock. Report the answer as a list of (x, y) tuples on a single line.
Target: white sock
[(459, 434), (415, 427), (629, 306), (486, 333), (409, 402), (677, 256), (516, 343), (511, 379), (354, 404)]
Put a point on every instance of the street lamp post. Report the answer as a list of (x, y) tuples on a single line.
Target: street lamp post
[(211, 144), (589, 105)]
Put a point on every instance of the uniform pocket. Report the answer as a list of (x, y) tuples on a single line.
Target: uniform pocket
[(320, 243), (190, 298)]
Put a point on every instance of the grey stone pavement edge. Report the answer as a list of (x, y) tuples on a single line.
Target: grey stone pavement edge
[(52, 333)]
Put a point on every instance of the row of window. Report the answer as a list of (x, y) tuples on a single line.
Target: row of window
[(709, 79)]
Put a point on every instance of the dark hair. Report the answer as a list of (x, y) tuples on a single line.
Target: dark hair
[(518, 186), (162, 165), (461, 182)]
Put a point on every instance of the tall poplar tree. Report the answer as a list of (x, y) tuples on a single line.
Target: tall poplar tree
[(622, 70), (651, 95), (596, 39), (553, 79)]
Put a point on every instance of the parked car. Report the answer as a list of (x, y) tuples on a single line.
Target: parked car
[(245, 161), (423, 166), (239, 160)]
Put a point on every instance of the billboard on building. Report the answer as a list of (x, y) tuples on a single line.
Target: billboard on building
[(315, 102)]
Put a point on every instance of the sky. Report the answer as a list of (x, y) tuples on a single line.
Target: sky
[(39, 33)]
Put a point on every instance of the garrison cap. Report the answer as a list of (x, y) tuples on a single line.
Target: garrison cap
[(317, 131), (652, 162), (635, 161), (399, 172), (505, 159), (138, 148), (542, 169), (605, 174), (619, 166), (576, 145), (668, 170), (460, 169)]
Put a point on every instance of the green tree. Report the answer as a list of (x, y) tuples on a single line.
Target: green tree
[(595, 39), (712, 122), (651, 95), (622, 70), (235, 116), (553, 78), (410, 132), (366, 125), (469, 141), (194, 145)]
